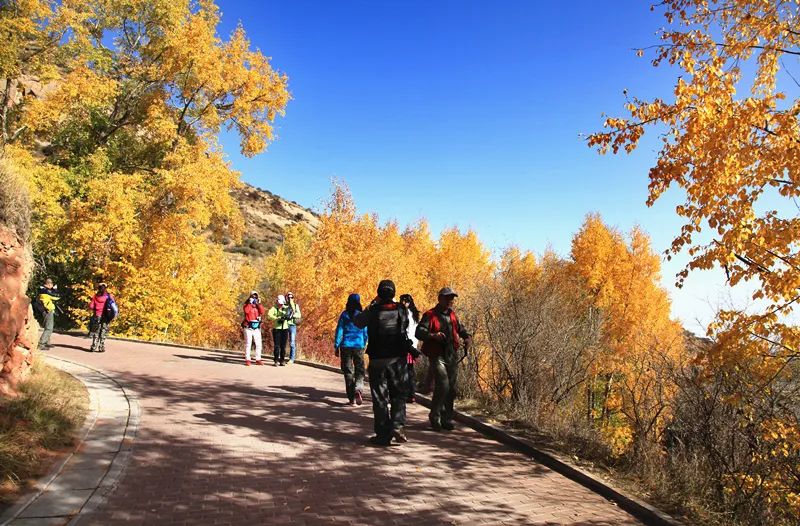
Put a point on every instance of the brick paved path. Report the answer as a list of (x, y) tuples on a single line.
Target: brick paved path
[(219, 443)]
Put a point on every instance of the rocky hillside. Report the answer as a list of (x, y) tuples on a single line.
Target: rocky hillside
[(266, 215)]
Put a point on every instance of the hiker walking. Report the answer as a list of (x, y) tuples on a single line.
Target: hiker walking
[(47, 297), (253, 312), (387, 322), (103, 309), (442, 335), (413, 320), (280, 315), (349, 347), (294, 321)]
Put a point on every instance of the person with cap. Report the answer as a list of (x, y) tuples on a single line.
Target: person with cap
[(253, 312), (387, 346), (294, 321), (442, 335), (280, 315), (48, 296), (103, 309), (349, 344)]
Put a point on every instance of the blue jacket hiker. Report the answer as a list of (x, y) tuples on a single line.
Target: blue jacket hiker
[(349, 347)]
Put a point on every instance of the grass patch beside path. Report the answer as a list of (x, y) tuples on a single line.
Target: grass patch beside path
[(37, 426)]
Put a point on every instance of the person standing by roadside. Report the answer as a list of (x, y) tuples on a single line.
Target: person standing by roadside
[(253, 312), (103, 309), (293, 323), (280, 315), (387, 346), (413, 320), (349, 347), (442, 336), (48, 296)]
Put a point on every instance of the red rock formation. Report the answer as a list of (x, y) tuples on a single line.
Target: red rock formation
[(18, 329)]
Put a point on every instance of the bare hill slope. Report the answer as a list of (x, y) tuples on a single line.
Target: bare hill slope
[(266, 215)]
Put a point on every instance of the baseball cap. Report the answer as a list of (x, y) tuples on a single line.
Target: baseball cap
[(447, 291), (254, 292)]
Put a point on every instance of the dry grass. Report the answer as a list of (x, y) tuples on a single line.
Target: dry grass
[(35, 426)]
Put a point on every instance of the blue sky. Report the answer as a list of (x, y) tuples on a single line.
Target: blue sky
[(468, 114)]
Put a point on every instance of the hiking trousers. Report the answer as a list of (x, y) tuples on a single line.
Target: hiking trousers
[(445, 377), (387, 384), (279, 337), (352, 361), (49, 318), (99, 337), (251, 337)]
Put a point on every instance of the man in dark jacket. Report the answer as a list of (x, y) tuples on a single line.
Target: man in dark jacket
[(387, 325), (442, 335)]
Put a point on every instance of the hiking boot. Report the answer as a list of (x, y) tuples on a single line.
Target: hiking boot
[(400, 436), (259, 362), (247, 363), (359, 398), (380, 441), (448, 426), (436, 426)]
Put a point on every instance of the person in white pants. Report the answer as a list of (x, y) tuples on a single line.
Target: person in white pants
[(253, 311)]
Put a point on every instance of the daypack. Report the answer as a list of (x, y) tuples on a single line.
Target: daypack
[(387, 327), (110, 309), (432, 348), (39, 310)]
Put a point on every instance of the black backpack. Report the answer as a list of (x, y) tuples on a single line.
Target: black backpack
[(388, 326), (39, 311)]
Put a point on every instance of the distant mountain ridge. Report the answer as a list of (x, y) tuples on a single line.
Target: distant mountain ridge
[(266, 215)]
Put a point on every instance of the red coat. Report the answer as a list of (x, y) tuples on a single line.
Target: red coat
[(253, 311)]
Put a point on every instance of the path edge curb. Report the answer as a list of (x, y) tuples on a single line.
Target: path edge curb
[(41, 484), (643, 511)]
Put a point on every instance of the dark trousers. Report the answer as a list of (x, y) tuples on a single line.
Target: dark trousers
[(279, 338), (352, 361), (411, 386), (445, 376), (387, 383)]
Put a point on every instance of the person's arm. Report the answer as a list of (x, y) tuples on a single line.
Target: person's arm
[(465, 336), (260, 308), (423, 332), (296, 315), (362, 318), (273, 314), (339, 335)]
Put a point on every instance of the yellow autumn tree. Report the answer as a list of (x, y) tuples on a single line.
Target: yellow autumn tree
[(729, 140), (119, 147), (640, 343)]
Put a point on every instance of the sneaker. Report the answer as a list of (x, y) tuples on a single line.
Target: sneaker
[(247, 363), (400, 436), (281, 364), (380, 441), (359, 398), (291, 361), (436, 426), (448, 426), (259, 362), (274, 363), (350, 402), (102, 350)]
